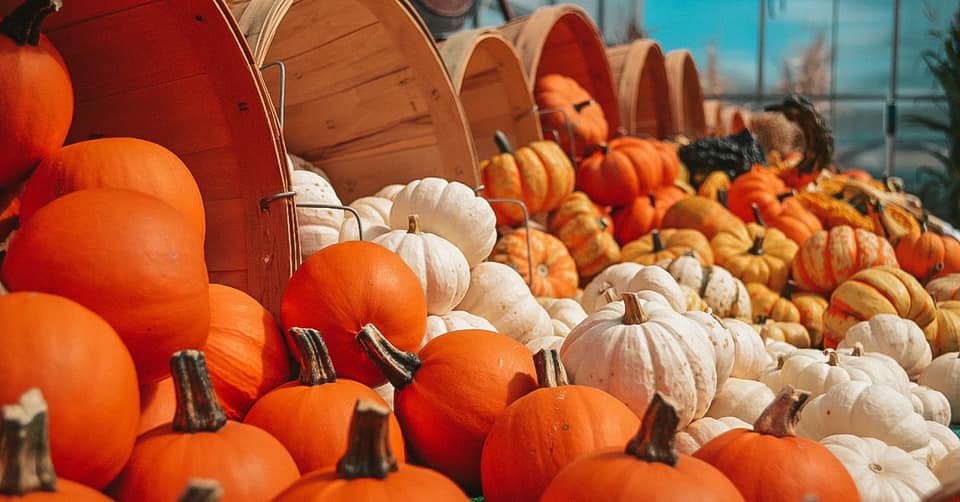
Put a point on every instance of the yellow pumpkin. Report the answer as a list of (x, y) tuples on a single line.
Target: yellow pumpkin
[(768, 304), (793, 333), (587, 231), (944, 333), (764, 256), (667, 244)]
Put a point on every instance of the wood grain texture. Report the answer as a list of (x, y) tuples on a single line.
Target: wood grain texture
[(686, 95), (641, 78)]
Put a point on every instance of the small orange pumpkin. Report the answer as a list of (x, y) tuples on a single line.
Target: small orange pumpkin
[(645, 213), (554, 271), (559, 92), (928, 255), (668, 244), (705, 215), (626, 168), (587, 231)]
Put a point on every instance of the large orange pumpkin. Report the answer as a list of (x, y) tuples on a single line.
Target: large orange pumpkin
[(201, 443), (554, 271), (760, 186), (587, 231), (758, 461), (158, 402), (348, 285), (127, 163), (245, 351), (539, 174), (556, 424), (645, 213), (36, 94), (449, 395), (928, 255), (127, 256), (585, 115), (626, 168), (704, 215), (649, 469), (311, 416), (369, 470), (831, 257), (80, 364)]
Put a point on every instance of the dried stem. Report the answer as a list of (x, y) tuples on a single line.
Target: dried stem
[(316, 367), (398, 366), (198, 409), (25, 465), (781, 417), (368, 449), (655, 441), (550, 370)]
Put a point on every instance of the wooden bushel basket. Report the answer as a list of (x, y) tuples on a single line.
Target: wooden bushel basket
[(686, 95), (367, 98), (175, 72), (711, 115), (487, 74), (638, 69), (734, 119), (564, 39)]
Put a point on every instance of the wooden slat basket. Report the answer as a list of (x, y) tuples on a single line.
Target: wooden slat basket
[(367, 98), (641, 78), (734, 119), (686, 95), (487, 74), (177, 73)]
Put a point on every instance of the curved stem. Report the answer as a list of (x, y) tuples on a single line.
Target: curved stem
[(722, 197), (24, 24), (578, 107), (202, 490), (788, 289), (604, 148), (503, 144), (833, 359), (25, 465), (756, 214), (655, 441), (609, 293), (633, 313), (657, 243), (316, 367), (368, 449), (550, 371), (398, 366), (413, 224), (757, 248), (653, 200), (198, 409), (781, 417), (857, 350)]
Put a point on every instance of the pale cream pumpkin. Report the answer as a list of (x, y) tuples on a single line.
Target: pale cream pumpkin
[(894, 336), (565, 313), (635, 348), (879, 368), (777, 348), (930, 403), (439, 265), (702, 431), (551, 342), (743, 399), (812, 371), (942, 441), (616, 277), (374, 218), (390, 191), (451, 210), (943, 375), (750, 360), (318, 228), (724, 345), (945, 288), (694, 302), (882, 473), (438, 325), (498, 294), (297, 163), (723, 292), (659, 280)]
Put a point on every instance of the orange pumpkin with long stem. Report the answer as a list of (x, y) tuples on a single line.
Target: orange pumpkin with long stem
[(756, 460), (369, 470), (645, 213), (626, 168), (554, 271), (648, 469), (449, 395), (587, 231), (928, 255), (36, 94), (310, 416), (585, 115)]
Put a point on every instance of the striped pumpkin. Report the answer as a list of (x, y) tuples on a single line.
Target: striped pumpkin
[(587, 231), (554, 271), (831, 257)]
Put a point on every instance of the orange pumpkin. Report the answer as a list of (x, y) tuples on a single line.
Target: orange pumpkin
[(644, 214), (311, 416), (9, 210), (36, 94), (626, 168), (554, 271), (126, 163), (559, 92), (150, 282), (756, 460), (333, 295), (668, 244), (448, 396), (80, 364), (794, 221), (587, 231), (759, 186), (158, 402), (245, 351), (26, 469), (649, 469), (831, 257), (369, 471), (928, 255), (557, 423), (704, 215), (833, 212), (891, 221), (201, 443), (764, 256), (539, 174)]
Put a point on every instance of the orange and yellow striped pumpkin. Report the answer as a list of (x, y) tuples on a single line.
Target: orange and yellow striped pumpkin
[(554, 271), (587, 231), (831, 257)]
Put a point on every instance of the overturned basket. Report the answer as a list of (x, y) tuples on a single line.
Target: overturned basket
[(641, 78)]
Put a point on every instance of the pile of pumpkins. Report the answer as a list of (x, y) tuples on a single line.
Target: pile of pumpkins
[(448, 353)]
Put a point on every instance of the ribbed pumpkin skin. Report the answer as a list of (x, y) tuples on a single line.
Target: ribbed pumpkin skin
[(794, 221), (124, 163), (333, 295), (831, 257), (409, 482), (539, 174), (129, 257), (766, 468), (245, 352), (676, 242), (920, 252), (555, 426), (587, 231), (944, 333), (945, 288), (770, 265), (759, 186), (703, 214), (554, 270), (85, 374), (589, 124), (644, 213), (769, 304), (67, 491), (630, 168)]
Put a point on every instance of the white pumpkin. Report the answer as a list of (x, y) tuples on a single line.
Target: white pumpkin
[(942, 375), (894, 336), (947, 469), (565, 313), (615, 276), (635, 348), (659, 280), (702, 431), (724, 348), (442, 269), (881, 368), (931, 404), (744, 399), (318, 228), (776, 348), (750, 359), (390, 191), (881, 472), (944, 288), (374, 217), (942, 441), (722, 292), (498, 294), (773, 378), (551, 342), (296, 163), (454, 320), (451, 210), (867, 410)]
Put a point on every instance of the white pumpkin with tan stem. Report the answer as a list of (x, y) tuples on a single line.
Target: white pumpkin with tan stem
[(659, 280), (451, 210), (374, 218), (438, 325), (724, 293), (702, 431), (724, 346), (442, 269), (930, 403), (498, 294), (615, 276), (565, 313), (635, 348), (943, 375), (815, 373), (743, 399), (894, 336), (318, 228), (881, 368), (882, 473), (750, 359)]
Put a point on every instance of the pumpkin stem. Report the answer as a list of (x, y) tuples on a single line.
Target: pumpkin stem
[(202, 490), (657, 243), (788, 289), (781, 417), (398, 366), (583, 104), (653, 200), (23, 25), (934, 270), (781, 360), (550, 371), (609, 292), (762, 318), (722, 197), (198, 409), (833, 358), (757, 248), (857, 350), (633, 313), (413, 224), (503, 144), (786, 195), (655, 441), (25, 465), (756, 214), (368, 449), (604, 148), (316, 367)]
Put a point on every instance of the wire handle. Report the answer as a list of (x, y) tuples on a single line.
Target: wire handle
[(526, 228), (569, 125), (266, 201), (283, 88)]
